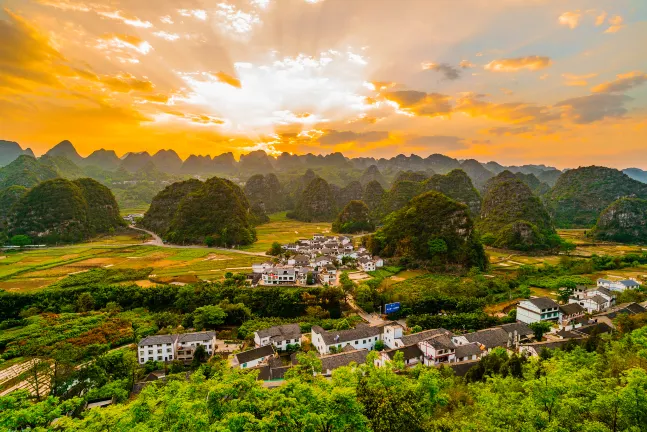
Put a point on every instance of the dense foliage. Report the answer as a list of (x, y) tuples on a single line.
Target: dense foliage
[(60, 210), (458, 186), (580, 195), (514, 216), (266, 192), (316, 203), (623, 221), (215, 212), (411, 231), (354, 218)]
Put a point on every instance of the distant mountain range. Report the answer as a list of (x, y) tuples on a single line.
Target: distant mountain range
[(258, 162)]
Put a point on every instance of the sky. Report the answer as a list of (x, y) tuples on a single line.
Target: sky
[(558, 82)]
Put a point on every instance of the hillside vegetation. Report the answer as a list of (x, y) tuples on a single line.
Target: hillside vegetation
[(60, 210), (624, 221), (354, 218), (580, 195), (513, 218), (215, 212), (316, 203), (458, 186), (431, 227)]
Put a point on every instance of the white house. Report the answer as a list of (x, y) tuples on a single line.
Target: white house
[(361, 337), (253, 357), (470, 351), (261, 267), (327, 277), (391, 334), (323, 261), (345, 358), (156, 348), (570, 312), (594, 300), (438, 349), (279, 336), (279, 275), (620, 285), (411, 354), (366, 264), (537, 309), (175, 347), (379, 262), (299, 260)]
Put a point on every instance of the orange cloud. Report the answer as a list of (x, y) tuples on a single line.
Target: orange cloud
[(532, 63), (571, 19), (578, 80), (615, 24), (227, 79), (623, 83), (421, 103)]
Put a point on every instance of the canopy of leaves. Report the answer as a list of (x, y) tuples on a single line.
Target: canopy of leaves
[(355, 217), (432, 215), (164, 205), (8, 197), (265, 192), (581, 194), (624, 221), (516, 218), (316, 204), (458, 186)]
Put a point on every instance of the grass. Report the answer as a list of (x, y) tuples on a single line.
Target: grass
[(283, 230), (133, 210)]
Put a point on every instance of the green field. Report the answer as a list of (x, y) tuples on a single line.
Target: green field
[(283, 230)]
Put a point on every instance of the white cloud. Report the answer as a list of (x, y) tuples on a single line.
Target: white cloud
[(235, 20), (195, 13), (167, 19), (571, 18), (131, 21), (167, 36)]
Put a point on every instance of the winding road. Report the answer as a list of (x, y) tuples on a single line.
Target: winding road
[(157, 241)]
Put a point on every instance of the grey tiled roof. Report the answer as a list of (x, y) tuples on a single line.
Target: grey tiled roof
[(441, 341), (334, 361), (158, 339), (409, 352), (461, 368), (362, 331), (282, 332), (522, 329), (543, 302), (490, 338), (195, 337), (253, 354), (468, 350), (414, 338), (572, 309)]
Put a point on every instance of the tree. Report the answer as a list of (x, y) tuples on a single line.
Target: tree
[(379, 345), (199, 356), (208, 317), (275, 249), (564, 293), (20, 240), (437, 246), (85, 302), (210, 241), (540, 328)]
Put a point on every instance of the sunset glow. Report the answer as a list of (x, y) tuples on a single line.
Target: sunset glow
[(516, 81)]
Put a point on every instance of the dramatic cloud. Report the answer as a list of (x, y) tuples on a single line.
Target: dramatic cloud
[(592, 108), (420, 103), (448, 71), (334, 137), (623, 83), (227, 79), (532, 63), (571, 19), (513, 112), (233, 20)]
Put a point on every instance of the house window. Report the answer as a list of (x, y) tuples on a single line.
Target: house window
[(364, 341)]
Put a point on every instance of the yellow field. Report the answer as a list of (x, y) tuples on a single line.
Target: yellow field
[(283, 230)]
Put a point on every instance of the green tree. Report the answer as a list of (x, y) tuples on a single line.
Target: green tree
[(210, 241), (199, 356), (437, 246), (379, 345), (275, 249), (85, 302), (208, 317), (20, 240), (540, 328)]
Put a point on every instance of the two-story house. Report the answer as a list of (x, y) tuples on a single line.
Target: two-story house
[(187, 343), (279, 336), (361, 337), (279, 275), (156, 348), (175, 347), (595, 299), (537, 309)]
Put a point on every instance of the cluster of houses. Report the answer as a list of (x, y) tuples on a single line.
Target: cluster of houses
[(313, 261), (583, 301)]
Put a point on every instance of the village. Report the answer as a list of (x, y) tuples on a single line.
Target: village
[(314, 261), (590, 312)]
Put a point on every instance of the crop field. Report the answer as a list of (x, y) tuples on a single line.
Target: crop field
[(283, 230), (31, 270)]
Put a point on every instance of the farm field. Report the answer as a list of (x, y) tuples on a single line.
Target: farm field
[(283, 230), (32, 270)]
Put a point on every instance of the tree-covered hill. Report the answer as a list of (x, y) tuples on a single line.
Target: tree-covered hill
[(414, 176), (103, 211), (477, 172), (458, 186), (537, 187), (104, 159), (8, 198), (164, 205), (60, 210), (513, 218), (373, 196), (215, 212), (10, 150), (354, 218), (317, 203), (624, 221), (65, 149), (431, 227), (26, 171), (399, 195), (372, 173), (580, 195), (266, 192), (353, 191)]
